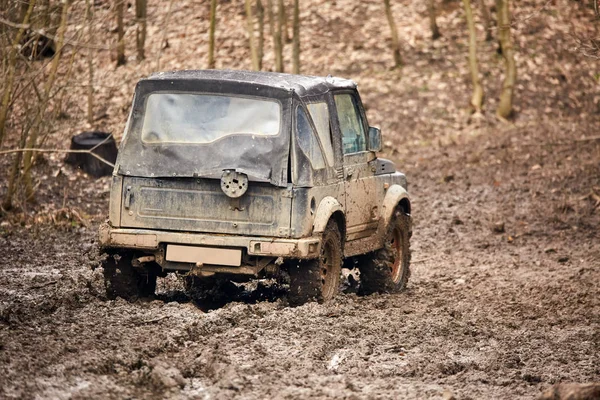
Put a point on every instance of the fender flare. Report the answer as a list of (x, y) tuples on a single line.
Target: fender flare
[(327, 207), (394, 195)]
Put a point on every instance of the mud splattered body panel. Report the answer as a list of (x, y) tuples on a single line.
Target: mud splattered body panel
[(199, 205)]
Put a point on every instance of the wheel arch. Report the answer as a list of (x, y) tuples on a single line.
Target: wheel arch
[(395, 197), (329, 209), (404, 205)]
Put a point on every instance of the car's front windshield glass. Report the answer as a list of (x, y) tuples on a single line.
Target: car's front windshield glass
[(203, 118)]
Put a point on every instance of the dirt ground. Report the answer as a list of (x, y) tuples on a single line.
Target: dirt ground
[(486, 314), (503, 301)]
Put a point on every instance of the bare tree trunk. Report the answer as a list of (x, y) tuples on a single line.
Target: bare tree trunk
[(12, 65), (435, 31), (395, 41), (283, 22), (90, 60), (477, 98), (211, 34), (506, 96), (59, 103), (485, 16), (32, 140), (7, 203), (276, 34), (120, 33), (296, 43), (141, 13), (163, 43), (260, 13), (43, 7), (250, 28)]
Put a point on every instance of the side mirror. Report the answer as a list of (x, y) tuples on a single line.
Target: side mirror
[(374, 139)]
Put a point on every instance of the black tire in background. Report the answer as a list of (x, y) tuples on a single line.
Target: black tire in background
[(104, 145), (318, 279), (387, 270)]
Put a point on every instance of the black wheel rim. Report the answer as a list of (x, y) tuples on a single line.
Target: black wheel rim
[(327, 269), (395, 245)]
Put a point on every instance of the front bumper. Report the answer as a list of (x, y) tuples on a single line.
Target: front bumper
[(152, 240)]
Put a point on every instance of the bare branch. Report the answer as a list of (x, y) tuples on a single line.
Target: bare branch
[(59, 151)]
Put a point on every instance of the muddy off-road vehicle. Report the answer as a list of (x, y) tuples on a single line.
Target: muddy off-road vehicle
[(238, 175)]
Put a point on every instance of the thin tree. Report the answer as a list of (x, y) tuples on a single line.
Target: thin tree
[(283, 22), (435, 31), (141, 13), (7, 202), (296, 39), (260, 13), (276, 34), (58, 105), (395, 41), (211, 34), (32, 140), (12, 65), (506, 96), (485, 16), (250, 28), (90, 60), (477, 98), (164, 43), (120, 33)]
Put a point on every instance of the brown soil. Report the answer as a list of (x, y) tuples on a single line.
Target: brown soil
[(503, 300), (486, 315)]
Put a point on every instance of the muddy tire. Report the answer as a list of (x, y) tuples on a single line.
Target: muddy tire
[(318, 279), (387, 270), (122, 280)]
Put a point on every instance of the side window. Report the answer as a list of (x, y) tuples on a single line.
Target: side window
[(320, 116), (307, 140), (353, 132)]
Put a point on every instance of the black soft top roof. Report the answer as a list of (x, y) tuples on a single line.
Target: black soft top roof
[(303, 85)]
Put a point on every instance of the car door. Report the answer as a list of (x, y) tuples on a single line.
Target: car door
[(362, 213)]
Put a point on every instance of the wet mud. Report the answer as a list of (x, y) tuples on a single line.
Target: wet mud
[(502, 301)]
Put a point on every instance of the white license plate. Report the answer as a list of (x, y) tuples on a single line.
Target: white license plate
[(204, 255)]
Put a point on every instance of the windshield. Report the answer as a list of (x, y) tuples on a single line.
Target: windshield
[(204, 118)]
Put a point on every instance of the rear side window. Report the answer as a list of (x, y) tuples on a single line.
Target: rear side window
[(319, 112), (307, 140), (351, 124)]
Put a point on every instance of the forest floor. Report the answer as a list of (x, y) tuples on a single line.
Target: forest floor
[(503, 301)]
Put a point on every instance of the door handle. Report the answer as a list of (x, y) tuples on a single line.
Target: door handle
[(128, 196)]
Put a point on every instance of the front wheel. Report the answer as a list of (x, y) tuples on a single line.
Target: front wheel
[(318, 279), (387, 270)]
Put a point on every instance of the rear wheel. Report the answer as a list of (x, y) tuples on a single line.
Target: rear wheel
[(388, 269), (318, 279), (123, 280)]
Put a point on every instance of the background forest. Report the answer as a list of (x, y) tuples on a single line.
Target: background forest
[(70, 66), (491, 108)]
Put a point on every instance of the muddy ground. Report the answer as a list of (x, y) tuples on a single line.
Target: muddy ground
[(503, 301), (487, 314)]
